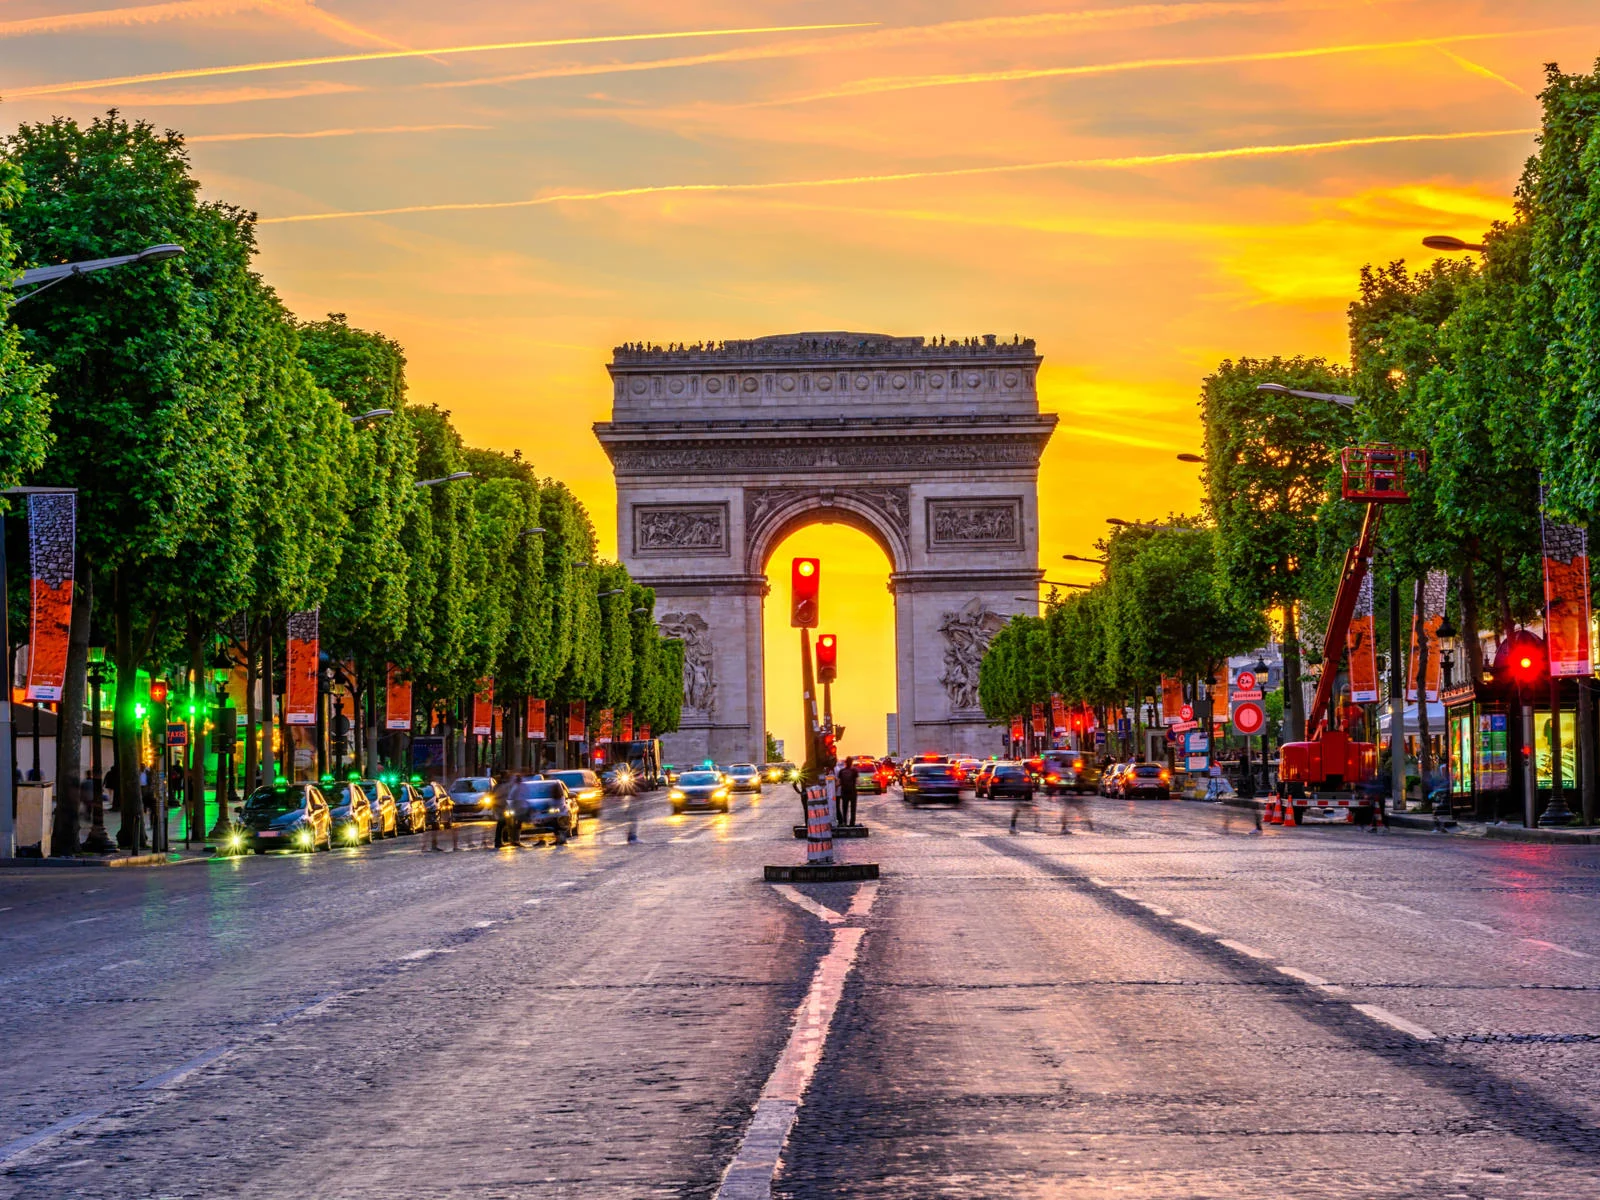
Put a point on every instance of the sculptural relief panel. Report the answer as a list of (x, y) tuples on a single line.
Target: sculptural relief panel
[(680, 529), (966, 525)]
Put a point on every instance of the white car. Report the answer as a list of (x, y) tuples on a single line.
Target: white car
[(471, 796), (743, 777)]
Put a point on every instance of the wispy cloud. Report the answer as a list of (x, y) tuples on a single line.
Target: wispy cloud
[(1030, 25), (83, 85), (1122, 162), (902, 83), (324, 133)]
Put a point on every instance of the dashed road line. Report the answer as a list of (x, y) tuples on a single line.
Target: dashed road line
[(1247, 951), (22, 1145), (183, 1070), (1203, 930), (800, 899), (1559, 949), (1385, 1017)]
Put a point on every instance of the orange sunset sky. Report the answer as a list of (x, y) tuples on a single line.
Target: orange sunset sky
[(511, 189)]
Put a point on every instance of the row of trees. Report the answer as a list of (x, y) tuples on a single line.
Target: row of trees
[(1491, 365), (225, 480)]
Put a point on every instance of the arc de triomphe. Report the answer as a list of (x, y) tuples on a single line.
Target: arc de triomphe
[(930, 448)]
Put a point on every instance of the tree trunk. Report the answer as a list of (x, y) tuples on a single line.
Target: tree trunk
[(1294, 700), (252, 676), (1472, 647), (269, 714), (195, 786), (124, 723), (65, 834), (1419, 620), (1502, 599)]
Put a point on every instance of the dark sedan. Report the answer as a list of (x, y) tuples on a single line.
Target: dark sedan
[(542, 806), (284, 816), (701, 789), (1009, 781), (932, 783)]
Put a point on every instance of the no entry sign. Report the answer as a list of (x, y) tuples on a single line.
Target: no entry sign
[(1249, 717)]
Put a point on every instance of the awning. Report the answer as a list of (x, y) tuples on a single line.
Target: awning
[(1435, 718)]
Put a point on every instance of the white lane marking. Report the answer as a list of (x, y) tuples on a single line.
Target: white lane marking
[(22, 1145), (127, 962), (419, 955), (1195, 925), (1388, 1018), (1154, 908), (749, 1175), (1098, 882), (1557, 948), (1478, 925), (799, 898), (484, 924), (567, 884), (1402, 908), (183, 1070), (1251, 951), (85, 920), (314, 1005), (535, 900), (1316, 981), (864, 897)]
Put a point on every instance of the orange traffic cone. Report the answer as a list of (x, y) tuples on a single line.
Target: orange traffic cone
[(1272, 815)]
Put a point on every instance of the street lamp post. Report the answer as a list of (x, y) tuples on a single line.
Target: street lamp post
[(371, 414), (97, 842), (450, 478), (48, 277)]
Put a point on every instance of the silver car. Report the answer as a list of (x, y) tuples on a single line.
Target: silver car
[(743, 777), (471, 795)]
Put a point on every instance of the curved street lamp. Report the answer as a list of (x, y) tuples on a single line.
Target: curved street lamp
[(1278, 389), (1191, 458), (451, 478), (1443, 241), (47, 277), (1081, 558), (370, 414)]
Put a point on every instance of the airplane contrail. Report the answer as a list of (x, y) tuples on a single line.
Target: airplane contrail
[(1065, 164), (83, 85)]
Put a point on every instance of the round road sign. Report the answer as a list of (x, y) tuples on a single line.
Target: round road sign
[(1247, 681), (1249, 718), (1187, 712)]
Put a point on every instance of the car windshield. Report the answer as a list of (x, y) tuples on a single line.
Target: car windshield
[(370, 787), (573, 779), (476, 783), (275, 800), (539, 789), (742, 768), (699, 778)]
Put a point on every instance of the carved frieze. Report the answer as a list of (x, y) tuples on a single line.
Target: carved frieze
[(680, 529), (675, 458), (967, 633), (966, 525), (699, 663)]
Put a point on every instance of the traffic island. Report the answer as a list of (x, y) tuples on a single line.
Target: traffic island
[(820, 873)]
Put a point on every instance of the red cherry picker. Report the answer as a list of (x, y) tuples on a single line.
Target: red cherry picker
[(1326, 771)]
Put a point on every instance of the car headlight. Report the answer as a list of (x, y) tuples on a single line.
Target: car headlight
[(305, 837), (485, 802), (236, 840), (720, 794), (675, 794)]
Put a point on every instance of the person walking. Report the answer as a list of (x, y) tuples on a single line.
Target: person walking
[(849, 777)]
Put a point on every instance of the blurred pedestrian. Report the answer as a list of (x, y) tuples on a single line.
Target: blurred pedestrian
[(848, 778)]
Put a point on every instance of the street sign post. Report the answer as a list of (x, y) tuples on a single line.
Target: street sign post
[(177, 734), (1248, 717)]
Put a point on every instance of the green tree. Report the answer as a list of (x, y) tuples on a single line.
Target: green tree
[(24, 403)]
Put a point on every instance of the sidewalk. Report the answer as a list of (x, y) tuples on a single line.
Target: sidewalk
[(1495, 832), (179, 853)]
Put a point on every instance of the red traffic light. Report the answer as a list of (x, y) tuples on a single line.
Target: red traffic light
[(804, 577), (827, 658), (158, 691), (1522, 659)]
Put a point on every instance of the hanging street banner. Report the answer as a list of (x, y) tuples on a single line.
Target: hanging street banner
[(1171, 700), (300, 671), (644, 733), (397, 704), (602, 736), (625, 731), (1038, 718), (1566, 597), (535, 722), (1362, 644), (575, 718), (1016, 730), (1433, 594), (483, 708), (1058, 714), (52, 538)]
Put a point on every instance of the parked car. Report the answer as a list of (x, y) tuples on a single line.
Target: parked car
[(541, 806), (441, 808), (743, 777), (1146, 779), (701, 789), (1009, 781), (932, 783), (585, 787), (386, 819), (471, 797), (350, 813), (411, 811), (285, 816)]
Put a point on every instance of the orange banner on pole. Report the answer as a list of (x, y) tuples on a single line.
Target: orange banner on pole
[(1433, 596), (1566, 598), (300, 669), (397, 703), (535, 722), (602, 736), (1171, 700), (575, 719), (52, 540), (483, 708), (1361, 642), (625, 732), (1058, 713)]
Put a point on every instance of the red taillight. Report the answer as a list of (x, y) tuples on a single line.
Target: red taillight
[(1078, 766), (1164, 777), (1052, 779)]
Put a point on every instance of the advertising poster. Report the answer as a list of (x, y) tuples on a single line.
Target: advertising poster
[(1361, 641), (1433, 592), (535, 722), (52, 536), (483, 708), (1566, 598), (1171, 700), (603, 734), (1541, 748), (397, 706), (300, 669), (575, 719)]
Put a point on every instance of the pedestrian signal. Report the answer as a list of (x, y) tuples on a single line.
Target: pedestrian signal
[(804, 577), (158, 691), (827, 658)]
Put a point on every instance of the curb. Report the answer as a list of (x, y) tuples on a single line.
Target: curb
[(821, 873), (1474, 829), (102, 864)]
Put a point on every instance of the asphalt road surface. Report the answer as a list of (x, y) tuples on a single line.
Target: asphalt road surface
[(1167, 1005)]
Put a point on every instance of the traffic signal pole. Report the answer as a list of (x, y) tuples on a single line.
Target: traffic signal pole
[(808, 685)]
